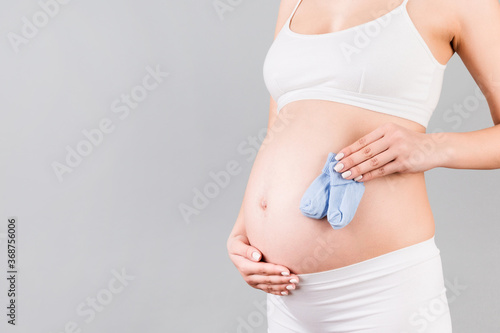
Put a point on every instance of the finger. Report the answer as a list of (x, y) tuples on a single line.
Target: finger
[(240, 247), (264, 268), (272, 280), (384, 170), (248, 267), (371, 164), (276, 289), (368, 152), (362, 142), (253, 253)]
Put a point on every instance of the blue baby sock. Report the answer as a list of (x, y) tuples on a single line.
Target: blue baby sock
[(314, 202), (345, 195)]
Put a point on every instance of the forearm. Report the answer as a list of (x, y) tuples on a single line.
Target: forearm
[(468, 150)]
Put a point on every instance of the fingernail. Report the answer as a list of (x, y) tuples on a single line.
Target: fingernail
[(346, 174), (285, 273), (293, 281), (284, 293), (358, 177), (256, 255), (339, 156), (290, 287), (338, 167)]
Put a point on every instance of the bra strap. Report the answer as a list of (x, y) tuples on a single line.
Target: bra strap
[(297, 6)]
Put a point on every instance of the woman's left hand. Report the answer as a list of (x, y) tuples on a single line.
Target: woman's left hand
[(388, 149)]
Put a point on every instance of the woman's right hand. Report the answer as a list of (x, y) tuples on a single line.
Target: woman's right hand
[(271, 278)]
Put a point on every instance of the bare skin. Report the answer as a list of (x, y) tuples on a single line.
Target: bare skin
[(394, 211)]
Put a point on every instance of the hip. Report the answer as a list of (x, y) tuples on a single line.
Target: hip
[(400, 291)]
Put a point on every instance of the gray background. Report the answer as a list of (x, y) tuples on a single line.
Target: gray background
[(119, 208)]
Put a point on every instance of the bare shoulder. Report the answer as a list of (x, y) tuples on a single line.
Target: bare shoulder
[(469, 17), (465, 9)]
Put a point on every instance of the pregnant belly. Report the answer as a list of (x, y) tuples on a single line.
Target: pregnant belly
[(394, 211)]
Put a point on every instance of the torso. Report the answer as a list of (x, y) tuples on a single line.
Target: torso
[(394, 211)]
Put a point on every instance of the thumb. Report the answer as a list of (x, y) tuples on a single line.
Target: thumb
[(253, 253), (241, 246)]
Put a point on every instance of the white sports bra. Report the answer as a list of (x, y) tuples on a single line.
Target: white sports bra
[(383, 65)]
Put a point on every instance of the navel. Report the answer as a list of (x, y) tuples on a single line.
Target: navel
[(263, 204)]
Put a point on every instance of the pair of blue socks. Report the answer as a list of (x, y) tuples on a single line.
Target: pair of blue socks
[(332, 196)]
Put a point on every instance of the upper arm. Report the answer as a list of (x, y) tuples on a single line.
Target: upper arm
[(477, 42), (285, 10)]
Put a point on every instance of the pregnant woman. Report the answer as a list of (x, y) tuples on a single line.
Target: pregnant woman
[(361, 79)]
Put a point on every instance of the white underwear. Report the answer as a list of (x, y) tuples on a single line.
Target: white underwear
[(398, 292)]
